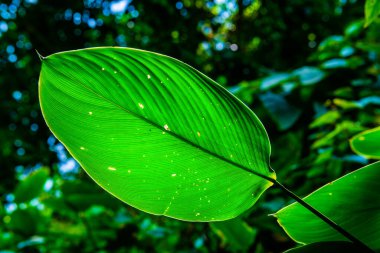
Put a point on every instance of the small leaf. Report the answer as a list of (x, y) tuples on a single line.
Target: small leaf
[(235, 233), (283, 114), (326, 247), (31, 186), (351, 201), (327, 118), (371, 11), (309, 75), (345, 104), (354, 29), (335, 63), (367, 143), (156, 133), (274, 80)]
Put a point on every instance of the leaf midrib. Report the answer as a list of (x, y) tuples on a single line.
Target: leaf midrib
[(272, 180)]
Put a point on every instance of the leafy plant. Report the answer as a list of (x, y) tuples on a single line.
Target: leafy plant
[(166, 139), (371, 10)]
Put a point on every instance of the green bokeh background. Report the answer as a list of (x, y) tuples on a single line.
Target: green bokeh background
[(309, 70)]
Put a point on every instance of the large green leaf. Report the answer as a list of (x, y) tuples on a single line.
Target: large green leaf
[(352, 202), (326, 247), (367, 143), (156, 133), (371, 11)]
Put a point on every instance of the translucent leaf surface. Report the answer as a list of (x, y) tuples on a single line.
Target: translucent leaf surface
[(371, 11), (326, 247), (367, 143), (156, 133), (352, 202)]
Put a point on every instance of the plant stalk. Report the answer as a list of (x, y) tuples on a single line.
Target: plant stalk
[(329, 222)]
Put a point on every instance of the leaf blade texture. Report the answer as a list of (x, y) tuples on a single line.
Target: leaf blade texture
[(156, 133)]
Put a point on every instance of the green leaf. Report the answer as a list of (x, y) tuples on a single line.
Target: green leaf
[(335, 63), (31, 186), (274, 80), (345, 104), (328, 118), (351, 201), (283, 114), (326, 247), (81, 195), (344, 127), (354, 29), (367, 143), (309, 75), (235, 233), (371, 11), (25, 222), (156, 133)]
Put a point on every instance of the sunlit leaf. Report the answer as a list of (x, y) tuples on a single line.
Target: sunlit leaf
[(345, 104), (345, 127), (367, 143), (156, 133), (326, 247), (327, 118), (371, 11), (351, 201)]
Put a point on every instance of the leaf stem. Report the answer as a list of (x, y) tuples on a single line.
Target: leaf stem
[(329, 222)]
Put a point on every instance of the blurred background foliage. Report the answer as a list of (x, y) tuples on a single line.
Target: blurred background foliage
[(309, 69)]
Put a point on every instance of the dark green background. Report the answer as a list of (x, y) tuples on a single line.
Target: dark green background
[(309, 70)]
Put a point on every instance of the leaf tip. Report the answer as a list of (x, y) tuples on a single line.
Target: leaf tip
[(40, 56)]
